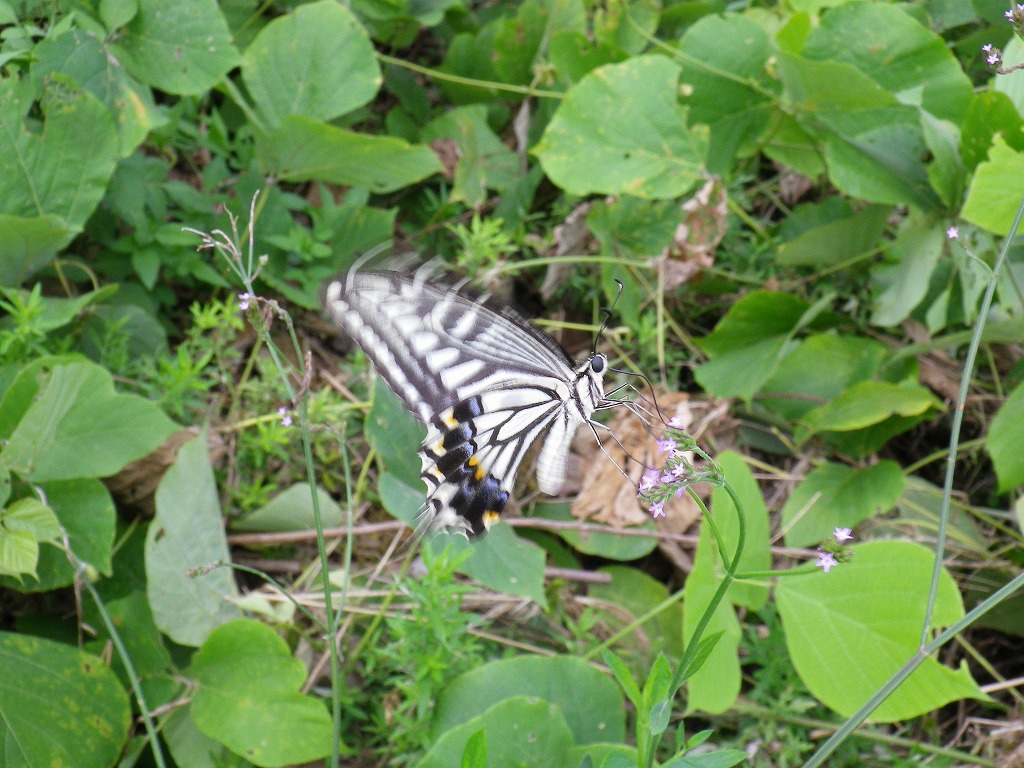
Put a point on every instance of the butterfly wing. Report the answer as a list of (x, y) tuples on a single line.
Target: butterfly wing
[(486, 384)]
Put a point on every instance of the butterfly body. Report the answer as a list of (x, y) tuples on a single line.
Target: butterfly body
[(485, 383)]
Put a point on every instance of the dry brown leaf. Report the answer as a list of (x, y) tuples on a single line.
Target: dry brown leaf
[(696, 238), (605, 496), (447, 152), (136, 483), (570, 237)]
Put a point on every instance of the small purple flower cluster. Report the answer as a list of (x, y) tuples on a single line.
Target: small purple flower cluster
[(658, 486), (832, 551), (994, 56)]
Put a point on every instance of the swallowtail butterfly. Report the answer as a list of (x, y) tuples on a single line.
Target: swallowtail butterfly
[(486, 383)]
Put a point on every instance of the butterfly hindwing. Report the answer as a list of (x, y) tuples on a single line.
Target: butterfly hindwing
[(486, 384)]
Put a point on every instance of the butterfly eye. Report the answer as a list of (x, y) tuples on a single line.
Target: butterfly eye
[(597, 363)]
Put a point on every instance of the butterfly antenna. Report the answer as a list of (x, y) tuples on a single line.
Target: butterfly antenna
[(650, 387), (607, 312)]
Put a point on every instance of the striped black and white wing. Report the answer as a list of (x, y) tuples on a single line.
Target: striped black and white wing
[(486, 384)]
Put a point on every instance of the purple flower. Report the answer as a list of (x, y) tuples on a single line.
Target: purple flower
[(953, 233), (842, 534), (286, 420), (826, 561), (665, 446), (987, 47), (993, 59), (676, 422), (243, 300), (649, 480), (657, 509), (1009, 15)]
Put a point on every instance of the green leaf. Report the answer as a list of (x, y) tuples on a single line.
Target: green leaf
[(27, 244), (83, 57), (23, 526), (475, 753), (991, 113), (837, 495), (1004, 440), (517, 731), (64, 175), (59, 706), (818, 370), (586, 697), (291, 510), (303, 149), (635, 592), (77, 426), (747, 344), (188, 533), (19, 553), (725, 758), (756, 555), (317, 62), (842, 239), (607, 545), (714, 687), (732, 90), (180, 48), (622, 676), (946, 171), (400, 500), (502, 561), (395, 435), (247, 697), (870, 610), (56, 312), (873, 144), (865, 404), (988, 205), (896, 51), (620, 130), (903, 285)]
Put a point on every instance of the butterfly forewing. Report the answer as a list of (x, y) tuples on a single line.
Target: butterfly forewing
[(486, 384)]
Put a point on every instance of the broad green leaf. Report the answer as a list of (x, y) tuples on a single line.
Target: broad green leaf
[(724, 758), (620, 130), (180, 48), (742, 372), (988, 203), (865, 404), (500, 560), (474, 755), (607, 545), (247, 697), (316, 61), (840, 240), (190, 746), (1004, 440), (24, 525), (395, 435), (86, 512), (573, 54), (83, 57), (758, 316), (400, 500), (484, 162), (724, 62), (819, 369), (837, 495), (603, 756), (518, 732), (756, 554), (1013, 55), (291, 510), (28, 243), (587, 698), (714, 687), (78, 426), (850, 630), (635, 592), (896, 51), (53, 311), (303, 149), (946, 170), (518, 39), (873, 144), (64, 174), (187, 533), (59, 706), (991, 113), (902, 286)]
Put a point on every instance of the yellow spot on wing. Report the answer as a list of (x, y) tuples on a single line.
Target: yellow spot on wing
[(490, 518)]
